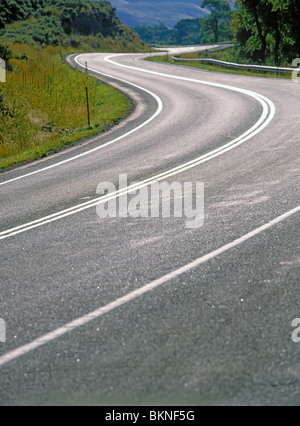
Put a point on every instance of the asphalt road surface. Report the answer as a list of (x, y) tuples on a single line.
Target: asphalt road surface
[(145, 310)]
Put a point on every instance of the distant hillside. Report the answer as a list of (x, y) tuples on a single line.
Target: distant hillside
[(62, 22), (155, 12)]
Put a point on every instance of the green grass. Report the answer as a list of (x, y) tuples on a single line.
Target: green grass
[(43, 107), (111, 108), (223, 55)]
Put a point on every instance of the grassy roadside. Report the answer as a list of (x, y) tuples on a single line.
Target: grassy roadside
[(226, 55), (43, 105)]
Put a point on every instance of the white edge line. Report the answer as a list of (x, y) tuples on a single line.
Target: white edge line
[(156, 114), (176, 77), (79, 322), (254, 130), (159, 109), (179, 169), (92, 203)]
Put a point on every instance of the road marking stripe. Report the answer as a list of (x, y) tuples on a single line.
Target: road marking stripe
[(79, 322), (250, 93), (165, 175), (265, 119), (156, 114), (158, 111)]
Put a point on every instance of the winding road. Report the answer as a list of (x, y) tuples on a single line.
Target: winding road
[(143, 310)]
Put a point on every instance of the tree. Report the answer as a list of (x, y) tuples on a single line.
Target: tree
[(219, 19), (267, 29), (159, 34), (251, 17), (288, 16), (188, 31), (14, 10)]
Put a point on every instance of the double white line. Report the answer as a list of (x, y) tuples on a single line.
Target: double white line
[(266, 117), (268, 114)]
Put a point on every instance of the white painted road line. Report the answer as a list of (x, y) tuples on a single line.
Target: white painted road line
[(250, 93), (254, 95), (76, 157), (263, 122), (266, 117), (73, 325)]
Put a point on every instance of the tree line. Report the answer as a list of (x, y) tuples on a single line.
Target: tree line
[(60, 22), (267, 30), (263, 31), (214, 28)]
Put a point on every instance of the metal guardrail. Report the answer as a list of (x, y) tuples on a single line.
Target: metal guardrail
[(236, 66), (175, 46)]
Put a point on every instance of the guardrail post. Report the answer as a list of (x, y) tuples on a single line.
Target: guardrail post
[(278, 65)]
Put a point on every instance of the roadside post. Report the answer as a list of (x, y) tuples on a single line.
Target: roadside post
[(2, 71), (278, 65), (87, 105)]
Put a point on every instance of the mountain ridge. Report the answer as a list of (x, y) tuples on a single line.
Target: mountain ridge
[(155, 12)]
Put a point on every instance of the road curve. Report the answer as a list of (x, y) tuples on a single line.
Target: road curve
[(143, 310)]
